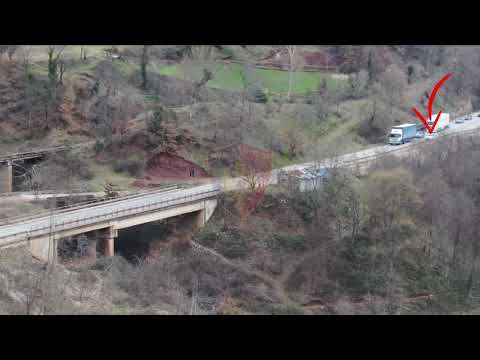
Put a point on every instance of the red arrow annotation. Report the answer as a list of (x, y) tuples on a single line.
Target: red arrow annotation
[(430, 104)]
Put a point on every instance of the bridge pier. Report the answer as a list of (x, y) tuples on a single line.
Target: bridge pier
[(44, 249), (109, 241), (91, 252), (6, 178)]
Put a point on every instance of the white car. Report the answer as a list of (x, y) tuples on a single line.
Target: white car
[(459, 120), (429, 136)]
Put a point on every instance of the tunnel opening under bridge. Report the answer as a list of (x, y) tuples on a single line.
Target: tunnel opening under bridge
[(135, 242), (153, 238)]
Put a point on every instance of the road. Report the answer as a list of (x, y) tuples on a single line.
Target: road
[(381, 149)]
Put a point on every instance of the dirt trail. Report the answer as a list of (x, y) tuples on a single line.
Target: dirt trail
[(68, 106), (278, 284)]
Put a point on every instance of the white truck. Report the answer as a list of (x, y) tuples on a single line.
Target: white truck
[(402, 134), (443, 122)]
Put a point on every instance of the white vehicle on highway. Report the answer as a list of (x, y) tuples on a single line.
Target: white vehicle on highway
[(430, 136), (459, 120), (468, 117), (402, 134), (442, 123)]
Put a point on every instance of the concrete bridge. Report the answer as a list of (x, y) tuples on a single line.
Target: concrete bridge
[(42, 232)]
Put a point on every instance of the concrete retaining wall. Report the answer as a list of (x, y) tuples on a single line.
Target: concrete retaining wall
[(6, 180)]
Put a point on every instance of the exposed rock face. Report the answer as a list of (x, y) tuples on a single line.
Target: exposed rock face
[(169, 165)]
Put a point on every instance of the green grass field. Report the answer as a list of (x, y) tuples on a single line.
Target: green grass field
[(229, 77)]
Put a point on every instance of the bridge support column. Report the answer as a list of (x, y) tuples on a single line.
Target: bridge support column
[(6, 178), (91, 250), (44, 249), (109, 244), (197, 219)]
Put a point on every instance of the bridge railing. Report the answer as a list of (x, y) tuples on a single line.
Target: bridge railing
[(53, 227), (83, 204)]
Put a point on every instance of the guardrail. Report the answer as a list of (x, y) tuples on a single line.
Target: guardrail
[(82, 205), (43, 230)]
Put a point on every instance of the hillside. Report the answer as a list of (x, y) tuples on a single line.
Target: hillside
[(160, 115)]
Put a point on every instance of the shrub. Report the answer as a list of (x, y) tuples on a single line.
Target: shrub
[(273, 309), (259, 95), (85, 173), (134, 167), (229, 243), (174, 53), (291, 242), (99, 146), (228, 53), (68, 165)]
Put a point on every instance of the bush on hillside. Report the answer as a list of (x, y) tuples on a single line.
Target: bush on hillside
[(259, 96), (134, 167)]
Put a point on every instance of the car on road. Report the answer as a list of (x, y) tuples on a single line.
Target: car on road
[(430, 136), (420, 134), (420, 131), (468, 117), (459, 120)]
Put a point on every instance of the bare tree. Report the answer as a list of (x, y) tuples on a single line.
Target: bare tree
[(83, 53), (393, 82), (25, 55), (460, 223), (294, 63), (11, 51), (475, 245), (61, 69), (201, 53), (54, 53), (294, 139), (3, 49), (122, 115), (358, 83), (144, 60), (392, 195)]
